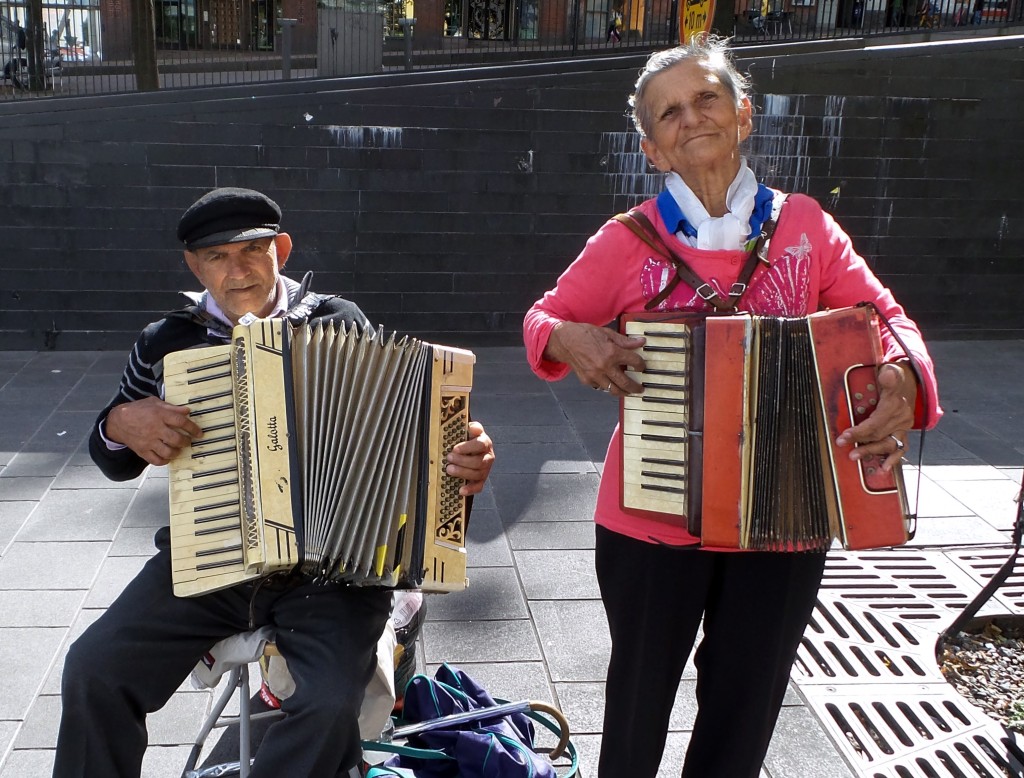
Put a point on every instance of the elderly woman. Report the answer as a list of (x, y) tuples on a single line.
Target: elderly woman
[(692, 111)]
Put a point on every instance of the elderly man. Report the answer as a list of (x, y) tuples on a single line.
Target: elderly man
[(130, 661)]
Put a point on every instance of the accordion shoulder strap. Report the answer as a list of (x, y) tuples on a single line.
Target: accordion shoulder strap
[(303, 309), (641, 226), (302, 302), (197, 315)]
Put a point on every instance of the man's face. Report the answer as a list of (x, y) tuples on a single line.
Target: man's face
[(241, 277)]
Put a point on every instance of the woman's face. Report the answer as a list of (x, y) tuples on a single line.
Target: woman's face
[(696, 124)]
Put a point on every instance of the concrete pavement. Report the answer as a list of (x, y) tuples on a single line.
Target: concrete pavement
[(531, 623)]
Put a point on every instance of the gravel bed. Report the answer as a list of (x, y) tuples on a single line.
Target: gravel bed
[(985, 664)]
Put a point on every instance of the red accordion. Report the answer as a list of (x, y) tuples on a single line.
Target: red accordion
[(734, 434)]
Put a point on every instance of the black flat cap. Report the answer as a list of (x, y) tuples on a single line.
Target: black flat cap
[(228, 215)]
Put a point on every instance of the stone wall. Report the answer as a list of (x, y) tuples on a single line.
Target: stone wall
[(445, 203)]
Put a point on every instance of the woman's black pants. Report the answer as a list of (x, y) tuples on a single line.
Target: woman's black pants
[(754, 606)]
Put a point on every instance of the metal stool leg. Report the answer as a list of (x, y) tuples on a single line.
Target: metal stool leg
[(244, 721), (237, 679), (212, 721)]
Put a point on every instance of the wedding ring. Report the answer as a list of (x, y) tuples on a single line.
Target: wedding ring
[(898, 442), (607, 388)]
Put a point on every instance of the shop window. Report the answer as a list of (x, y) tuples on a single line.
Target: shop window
[(453, 18), (394, 10)]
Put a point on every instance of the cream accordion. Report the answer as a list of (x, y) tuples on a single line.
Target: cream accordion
[(734, 434), (323, 451)]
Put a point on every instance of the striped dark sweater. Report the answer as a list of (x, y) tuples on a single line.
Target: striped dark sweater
[(192, 327)]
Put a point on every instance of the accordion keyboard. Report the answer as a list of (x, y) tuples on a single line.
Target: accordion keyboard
[(656, 424), (208, 546)]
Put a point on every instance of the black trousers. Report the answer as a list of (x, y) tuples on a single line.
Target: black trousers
[(131, 660), (755, 607)]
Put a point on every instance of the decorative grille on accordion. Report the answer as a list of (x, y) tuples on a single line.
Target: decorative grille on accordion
[(323, 450)]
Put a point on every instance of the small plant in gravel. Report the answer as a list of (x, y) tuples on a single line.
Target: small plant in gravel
[(1017, 715)]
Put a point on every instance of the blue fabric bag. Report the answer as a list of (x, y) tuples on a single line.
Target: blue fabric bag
[(489, 747)]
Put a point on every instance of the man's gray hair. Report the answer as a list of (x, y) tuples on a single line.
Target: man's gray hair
[(709, 50)]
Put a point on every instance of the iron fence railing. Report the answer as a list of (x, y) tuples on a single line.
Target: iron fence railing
[(53, 48)]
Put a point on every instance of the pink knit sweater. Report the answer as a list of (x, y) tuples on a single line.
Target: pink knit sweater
[(812, 267)]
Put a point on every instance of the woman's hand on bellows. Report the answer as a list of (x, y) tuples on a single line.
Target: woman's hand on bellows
[(599, 356), (884, 432)]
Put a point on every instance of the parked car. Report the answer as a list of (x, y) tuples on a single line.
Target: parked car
[(13, 42)]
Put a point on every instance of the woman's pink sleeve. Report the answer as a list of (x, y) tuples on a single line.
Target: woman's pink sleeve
[(589, 291)]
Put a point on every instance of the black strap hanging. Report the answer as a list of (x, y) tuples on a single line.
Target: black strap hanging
[(915, 368), (1005, 571), (994, 583)]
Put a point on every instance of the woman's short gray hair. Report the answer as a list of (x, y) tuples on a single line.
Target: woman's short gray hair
[(709, 50)]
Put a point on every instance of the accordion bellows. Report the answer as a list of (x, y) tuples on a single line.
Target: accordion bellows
[(734, 434), (323, 451)]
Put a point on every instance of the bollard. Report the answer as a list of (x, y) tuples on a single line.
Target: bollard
[(286, 47), (407, 25)]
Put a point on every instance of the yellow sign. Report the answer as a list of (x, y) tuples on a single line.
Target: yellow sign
[(695, 16)]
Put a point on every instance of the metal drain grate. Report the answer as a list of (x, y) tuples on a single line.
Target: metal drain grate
[(981, 565), (866, 665), (848, 644), (932, 732), (918, 585)]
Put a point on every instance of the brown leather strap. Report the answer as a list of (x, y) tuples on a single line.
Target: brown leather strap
[(758, 253), (641, 226), (643, 229)]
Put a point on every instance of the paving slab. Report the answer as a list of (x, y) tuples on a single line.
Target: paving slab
[(531, 624), (26, 654), (536, 497), (458, 642), (76, 515), (28, 763), (21, 608), (44, 565), (486, 543)]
